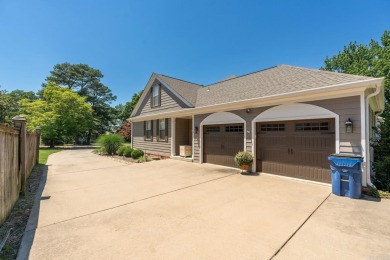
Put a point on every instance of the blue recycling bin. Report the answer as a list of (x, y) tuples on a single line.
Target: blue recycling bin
[(346, 174)]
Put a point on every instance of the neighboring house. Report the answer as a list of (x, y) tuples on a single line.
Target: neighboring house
[(290, 118)]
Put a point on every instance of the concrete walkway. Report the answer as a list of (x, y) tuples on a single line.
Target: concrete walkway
[(93, 207)]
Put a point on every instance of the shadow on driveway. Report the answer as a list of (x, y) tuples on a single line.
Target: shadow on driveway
[(29, 233)]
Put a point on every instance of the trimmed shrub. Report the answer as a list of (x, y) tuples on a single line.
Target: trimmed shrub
[(137, 154), (110, 142), (121, 150), (143, 159), (382, 174), (127, 151), (243, 158)]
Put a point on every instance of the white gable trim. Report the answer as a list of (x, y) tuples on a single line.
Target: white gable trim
[(295, 111), (147, 89), (174, 92), (220, 118)]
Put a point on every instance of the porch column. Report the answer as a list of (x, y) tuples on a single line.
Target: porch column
[(173, 136), (366, 161)]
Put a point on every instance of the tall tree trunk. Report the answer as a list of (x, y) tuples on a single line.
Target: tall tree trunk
[(52, 143), (89, 137)]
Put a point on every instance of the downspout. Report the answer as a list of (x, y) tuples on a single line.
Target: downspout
[(367, 153)]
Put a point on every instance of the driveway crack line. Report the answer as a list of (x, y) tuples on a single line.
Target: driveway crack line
[(132, 202), (296, 231)]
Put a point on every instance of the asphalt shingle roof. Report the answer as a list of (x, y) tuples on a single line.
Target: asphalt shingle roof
[(184, 88), (277, 80), (282, 79)]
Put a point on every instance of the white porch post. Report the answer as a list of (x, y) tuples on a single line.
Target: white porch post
[(193, 137), (131, 137), (173, 136), (363, 138)]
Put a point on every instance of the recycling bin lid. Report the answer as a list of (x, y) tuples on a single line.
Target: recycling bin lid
[(347, 155)]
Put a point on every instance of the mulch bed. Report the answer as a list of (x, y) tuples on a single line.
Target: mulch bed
[(127, 160), (17, 220)]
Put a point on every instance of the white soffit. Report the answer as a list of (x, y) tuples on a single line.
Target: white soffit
[(222, 118)]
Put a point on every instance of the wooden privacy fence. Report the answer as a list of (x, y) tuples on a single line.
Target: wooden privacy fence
[(18, 155)]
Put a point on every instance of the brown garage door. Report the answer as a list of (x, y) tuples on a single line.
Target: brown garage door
[(297, 149), (221, 143)]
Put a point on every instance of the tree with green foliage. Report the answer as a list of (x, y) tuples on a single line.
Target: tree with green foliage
[(76, 77), (4, 105), (10, 103), (60, 113), (86, 81), (371, 60), (128, 108), (123, 114)]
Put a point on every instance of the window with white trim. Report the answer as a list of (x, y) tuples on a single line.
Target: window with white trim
[(156, 96), (148, 130), (162, 129)]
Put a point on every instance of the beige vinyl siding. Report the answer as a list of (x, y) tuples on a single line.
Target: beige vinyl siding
[(346, 107), (169, 102), (154, 147)]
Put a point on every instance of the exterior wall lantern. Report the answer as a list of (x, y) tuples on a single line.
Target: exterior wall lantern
[(348, 126), (248, 110), (196, 129)]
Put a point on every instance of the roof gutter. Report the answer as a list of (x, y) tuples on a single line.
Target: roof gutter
[(254, 101), (367, 152)]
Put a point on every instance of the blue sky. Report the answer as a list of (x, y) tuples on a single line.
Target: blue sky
[(199, 41)]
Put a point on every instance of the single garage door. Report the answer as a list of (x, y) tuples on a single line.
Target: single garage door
[(221, 143), (297, 149)]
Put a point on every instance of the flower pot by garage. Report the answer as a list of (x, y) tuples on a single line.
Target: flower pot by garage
[(244, 167)]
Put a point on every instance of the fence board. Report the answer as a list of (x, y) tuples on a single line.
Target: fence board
[(9, 166)]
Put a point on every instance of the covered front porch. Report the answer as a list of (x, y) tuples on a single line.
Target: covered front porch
[(182, 138)]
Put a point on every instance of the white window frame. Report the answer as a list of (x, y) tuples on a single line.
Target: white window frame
[(156, 96), (165, 130), (148, 127)]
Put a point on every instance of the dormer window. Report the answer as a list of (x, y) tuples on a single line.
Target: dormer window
[(156, 96)]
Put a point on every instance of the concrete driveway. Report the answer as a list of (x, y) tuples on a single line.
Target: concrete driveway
[(93, 207)]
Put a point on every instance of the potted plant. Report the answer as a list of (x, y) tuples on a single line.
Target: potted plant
[(244, 160)]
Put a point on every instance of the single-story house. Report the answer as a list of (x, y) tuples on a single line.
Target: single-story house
[(290, 118)]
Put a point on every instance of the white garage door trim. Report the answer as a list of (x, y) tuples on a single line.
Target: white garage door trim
[(220, 118), (295, 111)]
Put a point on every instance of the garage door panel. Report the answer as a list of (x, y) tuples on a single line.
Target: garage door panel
[(297, 149), (221, 146)]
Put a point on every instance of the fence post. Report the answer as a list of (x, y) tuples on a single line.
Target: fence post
[(38, 131), (20, 122)]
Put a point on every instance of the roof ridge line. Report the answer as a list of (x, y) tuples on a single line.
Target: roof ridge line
[(180, 79), (242, 75), (326, 71)]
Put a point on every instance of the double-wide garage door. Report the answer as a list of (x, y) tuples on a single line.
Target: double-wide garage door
[(297, 149), (222, 142)]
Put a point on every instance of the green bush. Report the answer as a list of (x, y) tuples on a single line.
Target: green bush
[(100, 150), (128, 151), (143, 159), (243, 158), (382, 174), (374, 192), (121, 150), (137, 154), (110, 142)]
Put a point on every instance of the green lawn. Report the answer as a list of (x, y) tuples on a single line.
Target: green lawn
[(45, 152)]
